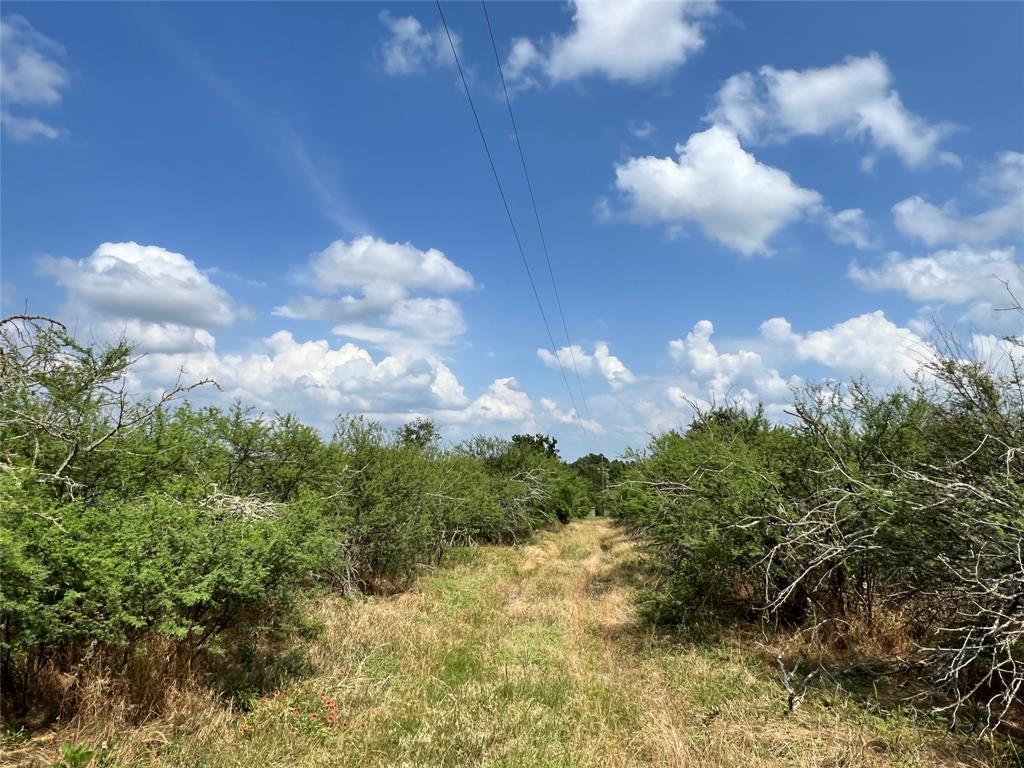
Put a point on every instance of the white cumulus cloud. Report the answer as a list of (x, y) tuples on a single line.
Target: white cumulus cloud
[(369, 263), (986, 280), (312, 377), (854, 98), (601, 362), (367, 286), (503, 401), (742, 374), (932, 224), (952, 276), (411, 323), (641, 129), (633, 41), (155, 337), (719, 186), (869, 345), (148, 283)]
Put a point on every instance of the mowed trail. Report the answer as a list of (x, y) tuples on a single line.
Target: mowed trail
[(522, 656)]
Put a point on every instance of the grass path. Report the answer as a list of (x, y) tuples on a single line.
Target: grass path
[(525, 656)]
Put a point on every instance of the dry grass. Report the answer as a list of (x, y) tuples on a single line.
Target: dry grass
[(528, 656)]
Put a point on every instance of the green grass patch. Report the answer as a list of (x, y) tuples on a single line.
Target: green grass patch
[(457, 591), (381, 664), (461, 665)]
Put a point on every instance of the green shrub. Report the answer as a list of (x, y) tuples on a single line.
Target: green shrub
[(908, 503), (126, 521), (692, 494), (105, 576)]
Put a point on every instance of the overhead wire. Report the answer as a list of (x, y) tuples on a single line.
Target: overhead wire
[(536, 213), (512, 224)]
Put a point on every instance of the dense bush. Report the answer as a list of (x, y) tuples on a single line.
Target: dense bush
[(691, 495), (101, 579), (129, 523), (907, 504)]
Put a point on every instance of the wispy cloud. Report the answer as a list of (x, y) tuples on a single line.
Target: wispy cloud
[(326, 190), (30, 76), (274, 133)]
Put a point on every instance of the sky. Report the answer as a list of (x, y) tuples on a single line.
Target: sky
[(737, 199)]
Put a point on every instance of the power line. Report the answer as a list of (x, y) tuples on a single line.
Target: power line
[(536, 213), (511, 221)]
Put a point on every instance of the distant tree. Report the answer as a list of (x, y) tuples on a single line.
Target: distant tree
[(353, 434), (540, 443), (419, 433), (728, 418), (598, 472)]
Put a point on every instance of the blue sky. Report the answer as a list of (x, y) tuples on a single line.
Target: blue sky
[(292, 198)]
